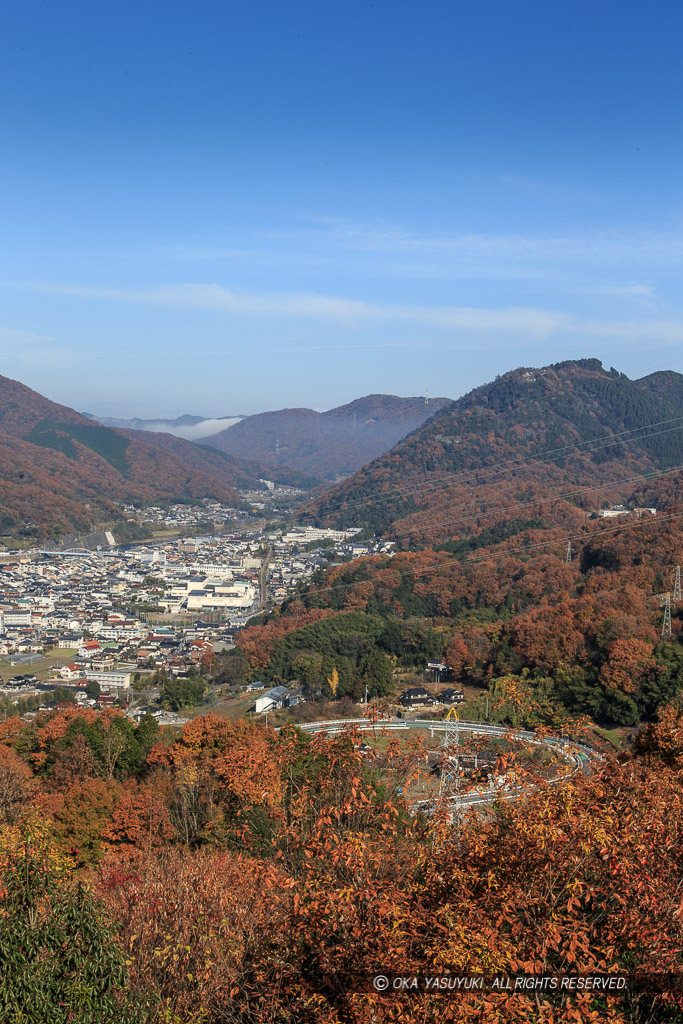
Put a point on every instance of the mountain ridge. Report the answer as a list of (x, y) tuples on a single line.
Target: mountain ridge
[(594, 423), (61, 471), (328, 444)]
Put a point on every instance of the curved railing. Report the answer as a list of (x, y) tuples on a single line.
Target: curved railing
[(579, 754)]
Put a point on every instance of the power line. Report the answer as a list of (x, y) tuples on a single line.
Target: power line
[(655, 474), (472, 559), (542, 458)]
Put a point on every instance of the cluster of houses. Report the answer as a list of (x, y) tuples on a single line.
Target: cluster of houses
[(171, 605), (417, 697)]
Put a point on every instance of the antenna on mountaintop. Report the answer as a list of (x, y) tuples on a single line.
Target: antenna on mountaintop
[(426, 396), (666, 625), (677, 583)]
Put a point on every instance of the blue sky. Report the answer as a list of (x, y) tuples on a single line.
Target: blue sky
[(222, 208)]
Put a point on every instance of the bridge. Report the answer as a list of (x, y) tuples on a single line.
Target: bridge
[(70, 553)]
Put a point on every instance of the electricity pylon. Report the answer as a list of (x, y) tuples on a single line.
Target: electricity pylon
[(449, 783), (569, 551), (666, 625), (677, 583), (452, 734)]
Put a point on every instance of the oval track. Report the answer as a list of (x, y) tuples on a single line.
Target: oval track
[(580, 756)]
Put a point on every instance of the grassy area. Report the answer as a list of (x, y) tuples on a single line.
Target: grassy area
[(18, 543), (615, 737), (226, 707), (40, 667)]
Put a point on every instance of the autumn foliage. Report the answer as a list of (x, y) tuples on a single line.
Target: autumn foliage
[(250, 875)]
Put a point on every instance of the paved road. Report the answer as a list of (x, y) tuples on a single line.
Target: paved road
[(578, 755)]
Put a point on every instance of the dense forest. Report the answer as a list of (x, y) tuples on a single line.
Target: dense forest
[(60, 472), (230, 874), (584, 634), (568, 438)]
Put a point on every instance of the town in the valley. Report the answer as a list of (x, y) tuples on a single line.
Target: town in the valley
[(100, 623)]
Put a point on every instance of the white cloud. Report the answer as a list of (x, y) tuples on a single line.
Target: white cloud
[(537, 322), (588, 245), (15, 337), (666, 332), (619, 291), (529, 324)]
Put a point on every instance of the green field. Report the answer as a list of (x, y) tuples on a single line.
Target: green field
[(41, 667)]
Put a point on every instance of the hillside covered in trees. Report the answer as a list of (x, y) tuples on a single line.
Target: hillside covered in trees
[(328, 444), (584, 636), (62, 472), (230, 874), (547, 443)]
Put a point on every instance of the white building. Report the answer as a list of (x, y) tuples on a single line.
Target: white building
[(304, 535), (224, 572), (18, 618), (271, 699), (109, 680), (218, 594)]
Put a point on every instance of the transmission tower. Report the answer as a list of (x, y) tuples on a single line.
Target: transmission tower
[(666, 625), (449, 781), (277, 446), (677, 583), (569, 551), (452, 733)]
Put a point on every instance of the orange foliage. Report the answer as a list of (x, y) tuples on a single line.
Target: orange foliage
[(628, 662), (140, 820), (17, 784)]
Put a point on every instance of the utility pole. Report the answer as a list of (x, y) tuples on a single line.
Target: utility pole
[(666, 625), (569, 551), (677, 583)]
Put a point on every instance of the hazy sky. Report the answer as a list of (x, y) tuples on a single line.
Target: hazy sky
[(226, 207)]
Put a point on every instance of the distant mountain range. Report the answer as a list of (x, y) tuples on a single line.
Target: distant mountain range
[(60, 471), (535, 448), (188, 427), (331, 444)]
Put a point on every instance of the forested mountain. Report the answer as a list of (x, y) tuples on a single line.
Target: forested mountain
[(511, 572), (542, 444), (582, 636), (60, 471), (665, 383), (331, 444)]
